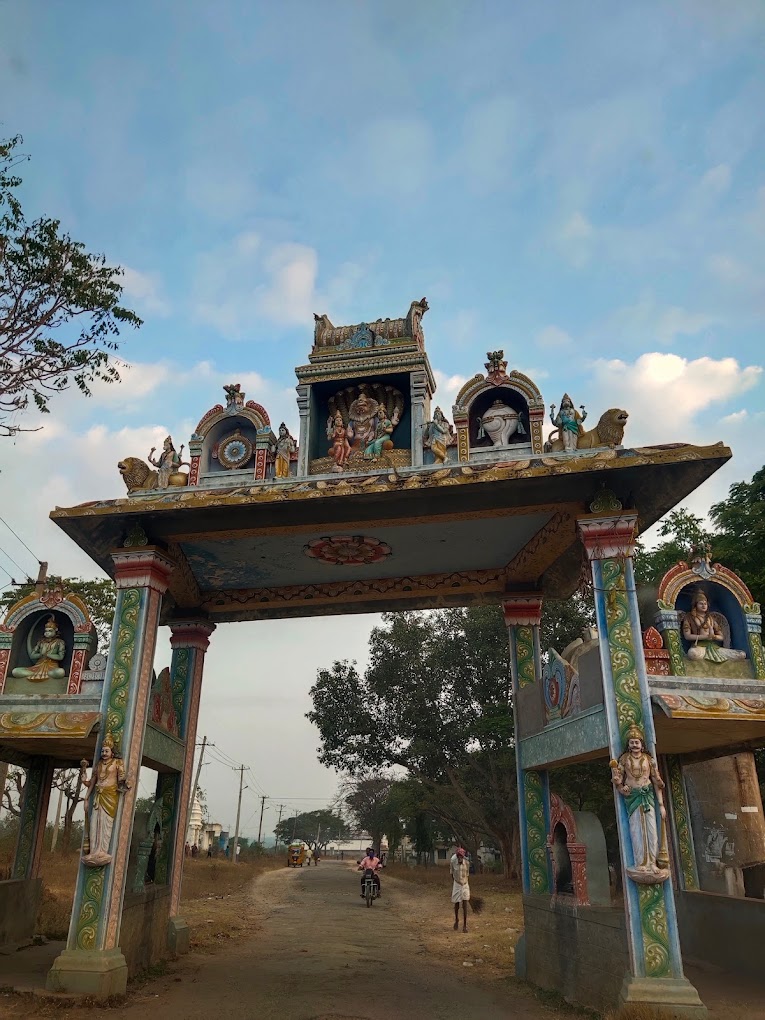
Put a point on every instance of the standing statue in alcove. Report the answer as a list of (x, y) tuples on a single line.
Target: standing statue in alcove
[(285, 447), (107, 782), (636, 776), (47, 654)]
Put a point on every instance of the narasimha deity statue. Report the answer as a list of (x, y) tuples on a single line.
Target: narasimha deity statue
[(46, 655), (362, 421), (703, 630)]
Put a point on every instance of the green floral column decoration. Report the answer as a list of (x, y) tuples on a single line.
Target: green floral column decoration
[(755, 650), (682, 824), (181, 661), (536, 834), (28, 823), (653, 918), (629, 711), (629, 708), (90, 909), (524, 651)]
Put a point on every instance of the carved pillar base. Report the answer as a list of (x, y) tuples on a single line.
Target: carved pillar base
[(97, 973), (667, 996)]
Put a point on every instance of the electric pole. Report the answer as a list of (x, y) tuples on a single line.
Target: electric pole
[(278, 822), (240, 770), (260, 824), (196, 780)]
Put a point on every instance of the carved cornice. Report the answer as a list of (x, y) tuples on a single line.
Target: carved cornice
[(142, 568), (543, 549), (522, 610), (382, 589), (191, 634), (608, 537), (185, 589), (427, 478)]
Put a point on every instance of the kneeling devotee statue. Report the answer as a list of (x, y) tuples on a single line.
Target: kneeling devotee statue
[(47, 654), (705, 635)]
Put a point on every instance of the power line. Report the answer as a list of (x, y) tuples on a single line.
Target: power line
[(8, 555), (36, 558)]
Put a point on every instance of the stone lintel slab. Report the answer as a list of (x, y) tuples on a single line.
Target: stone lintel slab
[(178, 936), (669, 997), (96, 973)]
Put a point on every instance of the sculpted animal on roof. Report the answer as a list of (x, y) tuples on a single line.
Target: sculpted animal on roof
[(608, 432), (137, 474)]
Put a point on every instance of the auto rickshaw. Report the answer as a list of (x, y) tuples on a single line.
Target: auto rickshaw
[(295, 855)]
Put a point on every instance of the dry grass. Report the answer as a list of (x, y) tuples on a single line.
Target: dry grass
[(59, 875), (489, 945), (217, 902)]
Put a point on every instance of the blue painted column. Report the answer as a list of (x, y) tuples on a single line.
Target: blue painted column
[(92, 962), (656, 972), (523, 615)]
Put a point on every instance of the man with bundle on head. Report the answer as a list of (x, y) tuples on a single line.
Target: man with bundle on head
[(460, 872)]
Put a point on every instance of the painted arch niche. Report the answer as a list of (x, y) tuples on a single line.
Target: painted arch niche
[(237, 437), (499, 410)]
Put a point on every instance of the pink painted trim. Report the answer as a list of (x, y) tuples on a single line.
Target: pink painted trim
[(522, 610)]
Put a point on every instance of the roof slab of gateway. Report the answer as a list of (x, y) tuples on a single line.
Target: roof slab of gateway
[(423, 537)]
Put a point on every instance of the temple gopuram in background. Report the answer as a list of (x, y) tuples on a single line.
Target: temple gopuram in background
[(385, 501)]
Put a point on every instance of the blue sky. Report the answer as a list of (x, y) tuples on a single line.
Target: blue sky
[(582, 184)]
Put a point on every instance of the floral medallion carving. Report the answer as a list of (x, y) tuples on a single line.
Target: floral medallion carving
[(347, 550)]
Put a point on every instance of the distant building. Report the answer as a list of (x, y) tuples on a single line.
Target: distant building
[(204, 834)]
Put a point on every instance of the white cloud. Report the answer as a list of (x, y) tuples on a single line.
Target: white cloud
[(736, 418), (664, 392), (553, 337), (447, 388), (145, 290), (249, 279)]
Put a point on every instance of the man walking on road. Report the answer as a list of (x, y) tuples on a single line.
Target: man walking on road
[(460, 871)]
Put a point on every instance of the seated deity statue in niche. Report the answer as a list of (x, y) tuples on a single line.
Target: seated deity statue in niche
[(46, 655), (703, 631), (499, 423), (362, 421)]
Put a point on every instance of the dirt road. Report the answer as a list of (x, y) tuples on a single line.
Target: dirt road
[(323, 955)]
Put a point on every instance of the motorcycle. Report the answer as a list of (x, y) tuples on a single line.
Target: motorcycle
[(370, 887)]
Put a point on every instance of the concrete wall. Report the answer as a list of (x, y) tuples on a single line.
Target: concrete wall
[(581, 952), (19, 904), (145, 919), (722, 930)]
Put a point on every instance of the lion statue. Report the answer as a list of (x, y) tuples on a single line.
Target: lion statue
[(608, 432), (137, 474)]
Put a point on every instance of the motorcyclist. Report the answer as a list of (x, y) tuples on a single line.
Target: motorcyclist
[(370, 863)]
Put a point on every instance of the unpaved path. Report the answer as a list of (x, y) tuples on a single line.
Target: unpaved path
[(322, 955)]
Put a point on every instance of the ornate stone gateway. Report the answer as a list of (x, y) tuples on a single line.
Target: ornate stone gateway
[(383, 504)]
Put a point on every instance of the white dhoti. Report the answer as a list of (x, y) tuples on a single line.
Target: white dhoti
[(460, 893)]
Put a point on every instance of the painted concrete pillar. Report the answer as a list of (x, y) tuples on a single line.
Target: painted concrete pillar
[(190, 640), (92, 962), (686, 872), (523, 615), (656, 972), (418, 393), (304, 440), (34, 815)]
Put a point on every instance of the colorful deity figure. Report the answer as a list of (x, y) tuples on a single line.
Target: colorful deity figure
[(439, 436), (107, 782), (364, 417), (382, 436), (168, 463), (568, 421), (285, 447), (636, 776), (704, 632), (46, 655), (338, 434)]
